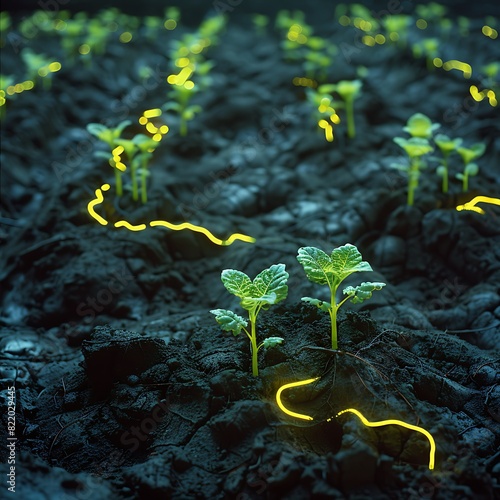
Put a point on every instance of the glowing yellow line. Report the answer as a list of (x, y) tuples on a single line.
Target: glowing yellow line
[(289, 386), (124, 223), (99, 198), (471, 205), (402, 424), (176, 227), (206, 232)]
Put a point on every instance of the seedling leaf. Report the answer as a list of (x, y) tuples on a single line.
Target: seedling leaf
[(237, 283), (271, 342), (362, 292), (320, 304), (229, 321), (347, 260), (272, 281), (317, 265)]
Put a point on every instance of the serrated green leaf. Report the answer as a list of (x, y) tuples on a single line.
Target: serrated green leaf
[(272, 281), (347, 260), (237, 283), (317, 265), (320, 304), (229, 321), (362, 292), (271, 342)]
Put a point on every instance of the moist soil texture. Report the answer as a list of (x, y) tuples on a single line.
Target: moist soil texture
[(126, 387)]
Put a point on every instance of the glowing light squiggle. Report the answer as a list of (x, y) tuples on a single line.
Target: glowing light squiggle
[(99, 198), (402, 424), (366, 422), (289, 386), (471, 205)]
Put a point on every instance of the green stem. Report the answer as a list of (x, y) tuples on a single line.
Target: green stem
[(183, 127), (351, 129), (465, 183), (445, 177), (135, 195), (412, 181), (118, 182), (144, 179), (253, 346), (333, 317)]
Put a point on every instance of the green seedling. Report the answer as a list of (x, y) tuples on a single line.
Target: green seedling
[(419, 125), (415, 148), (5, 83), (146, 146), (39, 66), (269, 287), (332, 270), (428, 48), (396, 28), (431, 12), (110, 136), (260, 23), (325, 114), (349, 91), (447, 147), (5, 24), (470, 168)]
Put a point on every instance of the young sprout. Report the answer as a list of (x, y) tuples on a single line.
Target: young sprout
[(427, 47), (325, 114), (146, 146), (269, 287), (348, 91), (130, 149), (331, 270), (447, 147), (470, 169), (396, 28), (110, 137), (260, 23), (419, 125), (39, 66), (415, 148)]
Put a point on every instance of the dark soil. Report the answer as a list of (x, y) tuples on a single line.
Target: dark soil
[(125, 385)]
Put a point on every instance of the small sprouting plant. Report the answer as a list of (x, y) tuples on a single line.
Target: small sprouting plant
[(39, 66), (260, 23), (415, 148), (110, 136), (325, 113), (349, 91), (447, 147), (470, 169), (420, 125), (269, 287), (396, 28), (331, 270), (428, 47)]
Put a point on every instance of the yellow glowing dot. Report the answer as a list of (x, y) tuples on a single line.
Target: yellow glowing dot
[(84, 49), (118, 150), (151, 128), (172, 79), (421, 24), (105, 187), (476, 95), (368, 40), (152, 113), (157, 137), (182, 62), (54, 66), (43, 71), (170, 24), (189, 85), (164, 129), (437, 62), (28, 85), (10, 90), (296, 28), (344, 20), (486, 30), (380, 39), (143, 120), (394, 36), (296, 81), (335, 118), (120, 166), (2, 101), (18, 88), (125, 37)]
